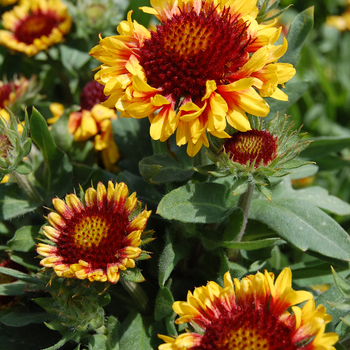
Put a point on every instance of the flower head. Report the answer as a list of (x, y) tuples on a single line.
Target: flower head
[(94, 121), (199, 70), (257, 155), (35, 25), (97, 240), (251, 314)]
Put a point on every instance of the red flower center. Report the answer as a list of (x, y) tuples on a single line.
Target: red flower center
[(5, 92), (91, 95), (249, 329), (35, 26), (95, 237), (5, 146), (253, 144), (191, 48)]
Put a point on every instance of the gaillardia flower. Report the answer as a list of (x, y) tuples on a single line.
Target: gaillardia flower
[(94, 121), (35, 25), (207, 64), (251, 314), (97, 240)]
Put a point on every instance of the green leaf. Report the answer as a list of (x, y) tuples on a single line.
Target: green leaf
[(315, 196), (24, 168), (57, 172), (294, 91), (304, 171), (297, 34), (13, 203), (132, 275), (97, 342), (324, 145), (254, 245), (113, 333), (197, 203), (162, 168), (13, 288), (169, 257), (342, 284), (327, 298), (303, 225), (24, 239), (163, 305), (135, 334), (21, 276), (22, 318), (135, 132)]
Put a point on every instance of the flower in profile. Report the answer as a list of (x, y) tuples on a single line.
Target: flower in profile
[(98, 239), (17, 91), (15, 144), (254, 313), (94, 121), (207, 64), (256, 155), (57, 109), (35, 25)]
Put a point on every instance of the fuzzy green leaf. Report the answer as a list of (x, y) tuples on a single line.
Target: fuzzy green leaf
[(135, 334), (162, 168), (132, 275), (169, 257), (24, 239), (22, 318), (21, 276), (163, 305), (57, 171), (303, 225), (297, 34), (197, 203), (13, 203), (324, 145)]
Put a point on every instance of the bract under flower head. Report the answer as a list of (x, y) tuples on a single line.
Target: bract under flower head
[(97, 240), (35, 25), (251, 314), (199, 70)]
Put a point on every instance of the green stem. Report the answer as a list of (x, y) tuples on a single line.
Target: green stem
[(27, 187), (244, 202), (138, 295)]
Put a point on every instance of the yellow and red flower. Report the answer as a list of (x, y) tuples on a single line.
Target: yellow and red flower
[(252, 314), (199, 70), (12, 90), (35, 25), (94, 120), (97, 240)]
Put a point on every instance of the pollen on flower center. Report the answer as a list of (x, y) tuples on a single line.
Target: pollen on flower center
[(35, 26), (191, 48), (90, 231), (248, 329), (251, 145)]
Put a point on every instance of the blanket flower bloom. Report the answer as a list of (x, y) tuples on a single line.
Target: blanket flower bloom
[(94, 120), (207, 64), (97, 240), (35, 25), (252, 314)]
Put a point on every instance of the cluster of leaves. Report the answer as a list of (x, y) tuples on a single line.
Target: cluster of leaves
[(195, 216)]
